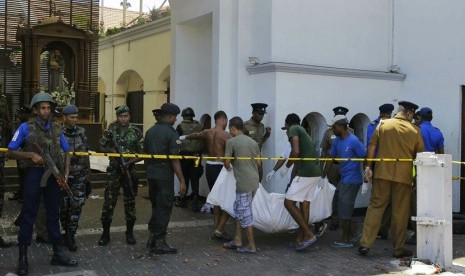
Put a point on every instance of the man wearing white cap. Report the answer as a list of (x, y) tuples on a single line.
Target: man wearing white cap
[(346, 145)]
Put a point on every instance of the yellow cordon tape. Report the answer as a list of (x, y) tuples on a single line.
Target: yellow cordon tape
[(198, 158), (193, 157), (162, 156)]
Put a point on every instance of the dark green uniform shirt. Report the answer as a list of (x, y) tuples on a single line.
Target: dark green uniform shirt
[(307, 150), (161, 139)]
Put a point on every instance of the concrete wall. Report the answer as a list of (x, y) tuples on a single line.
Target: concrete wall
[(429, 48), (340, 33)]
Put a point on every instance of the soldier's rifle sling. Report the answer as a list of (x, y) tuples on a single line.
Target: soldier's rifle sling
[(125, 169), (56, 173)]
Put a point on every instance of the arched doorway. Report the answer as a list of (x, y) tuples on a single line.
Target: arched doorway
[(131, 85), (165, 79), (359, 124), (315, 125)]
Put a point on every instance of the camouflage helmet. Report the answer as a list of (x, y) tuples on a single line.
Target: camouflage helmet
[(41, 97), (188, 111)]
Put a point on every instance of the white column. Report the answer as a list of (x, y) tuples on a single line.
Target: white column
[(434, 207)]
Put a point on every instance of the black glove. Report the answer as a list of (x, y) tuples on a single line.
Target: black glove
[(88, 189)]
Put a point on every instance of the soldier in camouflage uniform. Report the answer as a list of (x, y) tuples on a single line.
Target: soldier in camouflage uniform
[(254, 127), (79, 175), (2, 192), (128, 139), (191, 173)]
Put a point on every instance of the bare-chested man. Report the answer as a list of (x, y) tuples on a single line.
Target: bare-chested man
[(216, 140)]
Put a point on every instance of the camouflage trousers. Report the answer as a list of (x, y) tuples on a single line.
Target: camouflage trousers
[(115, 181), (70, 214)]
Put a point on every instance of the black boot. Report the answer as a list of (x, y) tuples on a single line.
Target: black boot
[(161, 247), (151, 241), (70, 242), (129, 232), (23, 267), (195, 204), (59, 258), (105, 238)]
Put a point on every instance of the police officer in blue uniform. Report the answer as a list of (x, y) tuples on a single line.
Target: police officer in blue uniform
[(385, 112), (432, 136), (40, 129)]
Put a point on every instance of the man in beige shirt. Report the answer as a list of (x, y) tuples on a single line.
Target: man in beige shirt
[(394, 138)]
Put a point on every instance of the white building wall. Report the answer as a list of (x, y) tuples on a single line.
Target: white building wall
[(422, 37), (429, 48), (340, 33)]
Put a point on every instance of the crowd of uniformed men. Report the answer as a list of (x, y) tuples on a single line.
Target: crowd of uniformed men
[(392, 183)]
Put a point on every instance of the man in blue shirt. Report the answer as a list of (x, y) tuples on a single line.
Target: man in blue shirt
[(41, 130), (432, 136), (346, 145), (385, 112)]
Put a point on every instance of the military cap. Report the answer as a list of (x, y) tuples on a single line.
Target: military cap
[(156, 111), (122, 109), (408, 105), (385, 108), (70, 109), (170, 108), (339, 119), (425, 111), (340, 110), (259, 108), (23, 109)]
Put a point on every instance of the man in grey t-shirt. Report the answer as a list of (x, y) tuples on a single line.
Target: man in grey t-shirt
[(248, 173)]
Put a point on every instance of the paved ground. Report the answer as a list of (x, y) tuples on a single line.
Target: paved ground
[(198, 254)]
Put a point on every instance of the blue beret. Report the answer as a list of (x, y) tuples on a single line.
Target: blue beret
[(425, 111), (386, 108), (122, 109), (170, 108), (70, 109), (340, 110)]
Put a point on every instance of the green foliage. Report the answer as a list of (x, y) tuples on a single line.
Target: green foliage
[(114, 30), (156, 14)]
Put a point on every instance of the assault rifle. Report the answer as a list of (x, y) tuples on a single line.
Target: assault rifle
[(52, 169), (128, 184)]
